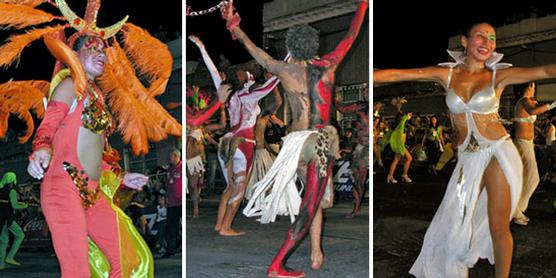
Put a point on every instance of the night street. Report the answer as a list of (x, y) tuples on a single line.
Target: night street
[(43, 264), (345, 244), (402, 213)]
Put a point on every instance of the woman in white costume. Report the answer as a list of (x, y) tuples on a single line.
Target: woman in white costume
[(526, 111), (473, 219)]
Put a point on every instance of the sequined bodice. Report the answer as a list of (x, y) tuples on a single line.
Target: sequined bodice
[(483, 102)]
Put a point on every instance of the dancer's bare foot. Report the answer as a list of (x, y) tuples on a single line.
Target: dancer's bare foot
[(217, 227), (352, 215), (317, 260), (284, 272), (231, 232)]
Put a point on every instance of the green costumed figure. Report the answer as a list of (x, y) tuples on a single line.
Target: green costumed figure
[(9, 203), (397, 142)]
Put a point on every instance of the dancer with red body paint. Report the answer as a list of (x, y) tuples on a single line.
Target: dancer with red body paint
[(312, 144)]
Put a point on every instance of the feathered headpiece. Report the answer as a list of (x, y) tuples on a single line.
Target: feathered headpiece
[(139, 116)]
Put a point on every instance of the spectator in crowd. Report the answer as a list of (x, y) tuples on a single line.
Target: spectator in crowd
[(174, 190), (161, 215)]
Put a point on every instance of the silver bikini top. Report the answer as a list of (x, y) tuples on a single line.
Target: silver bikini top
[(482, 102), (531, 119)]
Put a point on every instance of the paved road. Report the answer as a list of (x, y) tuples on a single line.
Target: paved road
[(43, 264), (345, 243), (402, 213)]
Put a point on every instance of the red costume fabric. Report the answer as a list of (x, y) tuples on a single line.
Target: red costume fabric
[(62, 205), (316, 182)]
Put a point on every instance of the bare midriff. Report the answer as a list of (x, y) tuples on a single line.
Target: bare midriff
[(488, 125), (524, 131), (90, 147)]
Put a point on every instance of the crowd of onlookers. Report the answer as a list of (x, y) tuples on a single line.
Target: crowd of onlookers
[(416, 131)]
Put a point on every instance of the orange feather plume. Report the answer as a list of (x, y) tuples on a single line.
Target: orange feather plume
[(11, 51), (170, 124), (150, 57), (19, 98), (31, 3), (19, 16), (123, 105), (135, 122), (160, 115)]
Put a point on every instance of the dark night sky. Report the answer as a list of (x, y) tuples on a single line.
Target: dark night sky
[(415, 33), (211, 29), (37, 63)]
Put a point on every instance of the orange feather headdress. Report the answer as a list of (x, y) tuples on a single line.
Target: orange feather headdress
[(139, 116)]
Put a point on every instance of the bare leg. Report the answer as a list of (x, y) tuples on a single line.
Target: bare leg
[(393, 166), (317, 257), (360, 185), (407, 163), (377, 157), (499, 206), (222, 206), (236, 192), (314, 190), (192, 182)]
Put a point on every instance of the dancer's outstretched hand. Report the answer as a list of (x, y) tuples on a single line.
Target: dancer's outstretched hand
[(135, 180), (38, 163), (197, 41), (223, 92)]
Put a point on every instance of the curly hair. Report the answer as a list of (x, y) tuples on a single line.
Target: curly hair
[(302, 41)]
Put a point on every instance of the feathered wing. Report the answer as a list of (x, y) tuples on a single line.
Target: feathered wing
[(11, 51), (140, 118), (30, 3), (149, 56), (20, 16), (20, 98)]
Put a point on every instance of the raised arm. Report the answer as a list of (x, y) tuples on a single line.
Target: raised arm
[(215, 75), (266, 61), (436, 74), (511, 76), (338, 54), (261, 92), (532, 108)]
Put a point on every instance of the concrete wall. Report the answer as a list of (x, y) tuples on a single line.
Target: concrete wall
[(280, 8), (332, 28)]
